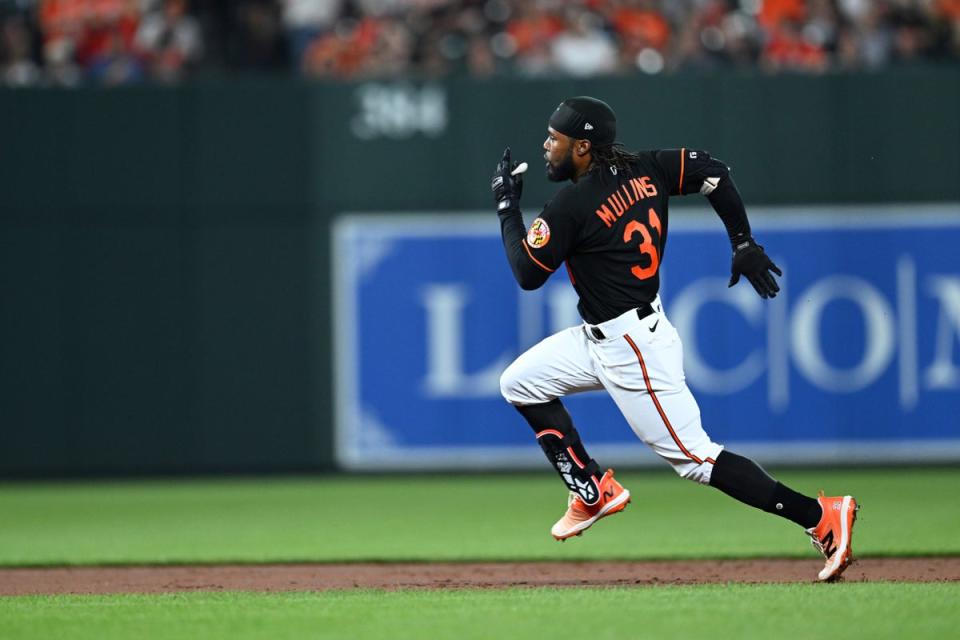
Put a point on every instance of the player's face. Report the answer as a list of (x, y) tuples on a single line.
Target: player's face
[(559, 156)]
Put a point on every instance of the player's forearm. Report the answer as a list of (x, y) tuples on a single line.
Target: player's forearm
[(726, 201), (528, 275)]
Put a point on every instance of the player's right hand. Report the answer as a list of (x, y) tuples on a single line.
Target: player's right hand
[(750, 260), (507, 188)]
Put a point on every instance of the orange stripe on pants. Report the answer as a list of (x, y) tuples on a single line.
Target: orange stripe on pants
[(663, 416)]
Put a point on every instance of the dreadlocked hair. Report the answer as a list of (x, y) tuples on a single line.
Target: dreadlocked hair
[(613, 155)]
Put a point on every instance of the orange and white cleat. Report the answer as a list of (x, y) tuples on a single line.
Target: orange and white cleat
[(833, 534), (581, 516)]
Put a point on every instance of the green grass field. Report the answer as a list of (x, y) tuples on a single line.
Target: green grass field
[(447, 518), (495, 517), (875, 611)]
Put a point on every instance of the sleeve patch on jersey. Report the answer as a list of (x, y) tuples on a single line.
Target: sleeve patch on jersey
[(539, 234)]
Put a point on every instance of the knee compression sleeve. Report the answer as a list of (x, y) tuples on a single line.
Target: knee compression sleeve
[(561, 444)]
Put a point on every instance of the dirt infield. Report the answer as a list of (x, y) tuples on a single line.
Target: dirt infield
[(322, 577)]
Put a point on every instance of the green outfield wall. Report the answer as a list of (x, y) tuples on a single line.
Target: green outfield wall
[(164, 252)]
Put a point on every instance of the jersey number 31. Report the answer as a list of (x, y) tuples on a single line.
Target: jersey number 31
[(647, 247)]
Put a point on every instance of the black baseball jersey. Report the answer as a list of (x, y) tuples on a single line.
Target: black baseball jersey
[(610, 228)]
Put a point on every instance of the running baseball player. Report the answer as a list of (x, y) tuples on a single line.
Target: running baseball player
[(609, 227)]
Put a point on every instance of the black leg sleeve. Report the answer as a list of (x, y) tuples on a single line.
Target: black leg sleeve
[(744, 480), (561, 443)]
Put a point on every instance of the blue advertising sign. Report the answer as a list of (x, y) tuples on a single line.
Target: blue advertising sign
[(858, 359)]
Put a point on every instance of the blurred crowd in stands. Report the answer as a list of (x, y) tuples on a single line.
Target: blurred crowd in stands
[(114, 42)]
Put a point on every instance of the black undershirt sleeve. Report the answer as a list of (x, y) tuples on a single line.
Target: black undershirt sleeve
[(695, 171), (535, 253), (529, 275), (728, 204)]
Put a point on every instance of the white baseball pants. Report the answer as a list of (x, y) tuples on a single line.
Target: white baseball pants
[(640, 364)]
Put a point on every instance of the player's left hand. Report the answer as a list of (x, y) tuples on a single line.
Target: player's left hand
[(507, 183), (750, 260)]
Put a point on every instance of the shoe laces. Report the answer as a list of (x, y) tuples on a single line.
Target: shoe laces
[(816, 543)]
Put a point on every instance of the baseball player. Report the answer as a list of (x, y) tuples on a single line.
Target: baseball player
[(609, 227)]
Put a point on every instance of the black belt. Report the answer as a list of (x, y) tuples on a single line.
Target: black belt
[(642, 312)]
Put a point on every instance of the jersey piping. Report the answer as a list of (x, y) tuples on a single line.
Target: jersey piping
[(683, 153), (539, 264)]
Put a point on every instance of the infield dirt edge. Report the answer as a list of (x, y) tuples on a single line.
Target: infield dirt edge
[(270, 578)]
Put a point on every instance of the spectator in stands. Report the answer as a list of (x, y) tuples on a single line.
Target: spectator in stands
[(108, 40), (789, 50), (949, 12), (344, 52), (640, 26), (913, 37), (532, 26), (307, 20), (392, 52), (170, 41), (17, 66), (106, 31), (584, 49), (114, 63), (867, 40), (61, 22), (711, 37), (257, 39), (481, 62)]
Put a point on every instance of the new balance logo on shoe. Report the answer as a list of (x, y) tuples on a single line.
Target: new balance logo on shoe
[(829, 546), (582, 514)]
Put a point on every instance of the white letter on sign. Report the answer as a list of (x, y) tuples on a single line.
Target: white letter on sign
[(943, 373), (878, 334), (684, 311), (445, 374)]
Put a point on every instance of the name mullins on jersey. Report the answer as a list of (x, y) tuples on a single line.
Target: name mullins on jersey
[(629, 193)]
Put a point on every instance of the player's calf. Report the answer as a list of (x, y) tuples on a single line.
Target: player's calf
[(561, 444), (744, 480)]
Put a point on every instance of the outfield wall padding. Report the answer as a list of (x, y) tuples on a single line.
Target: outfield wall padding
[(165, 251)]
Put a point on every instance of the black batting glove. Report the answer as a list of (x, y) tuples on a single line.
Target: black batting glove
[(750, 260), (506, 188)]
